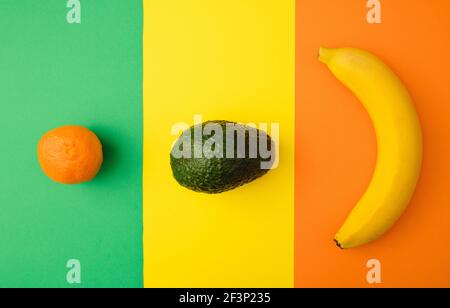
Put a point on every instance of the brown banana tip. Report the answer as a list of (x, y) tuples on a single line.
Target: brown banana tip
[(338, 244)]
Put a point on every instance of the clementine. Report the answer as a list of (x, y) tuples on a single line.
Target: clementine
[(70, 154)]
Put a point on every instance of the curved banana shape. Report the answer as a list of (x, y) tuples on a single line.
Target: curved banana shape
[(399, 139)]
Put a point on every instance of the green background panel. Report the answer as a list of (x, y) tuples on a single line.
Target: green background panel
[(52, 74)]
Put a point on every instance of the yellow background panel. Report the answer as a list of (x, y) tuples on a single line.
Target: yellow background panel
[(226, 60)]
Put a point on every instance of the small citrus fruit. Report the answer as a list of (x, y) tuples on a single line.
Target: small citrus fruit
[(70, 154)]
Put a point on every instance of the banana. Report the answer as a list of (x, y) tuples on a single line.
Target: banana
[(399, 139)]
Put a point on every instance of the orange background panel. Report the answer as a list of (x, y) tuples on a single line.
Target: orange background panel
[(336, 148)]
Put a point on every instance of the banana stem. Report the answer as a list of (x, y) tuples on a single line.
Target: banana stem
[(325, 55)]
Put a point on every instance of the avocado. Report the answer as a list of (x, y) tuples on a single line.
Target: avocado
[(218, 156)]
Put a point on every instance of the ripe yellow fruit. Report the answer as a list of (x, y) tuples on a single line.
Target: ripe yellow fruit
[(399, 140)]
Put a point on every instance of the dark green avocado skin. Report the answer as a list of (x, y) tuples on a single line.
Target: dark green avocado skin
[(218, 175)]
